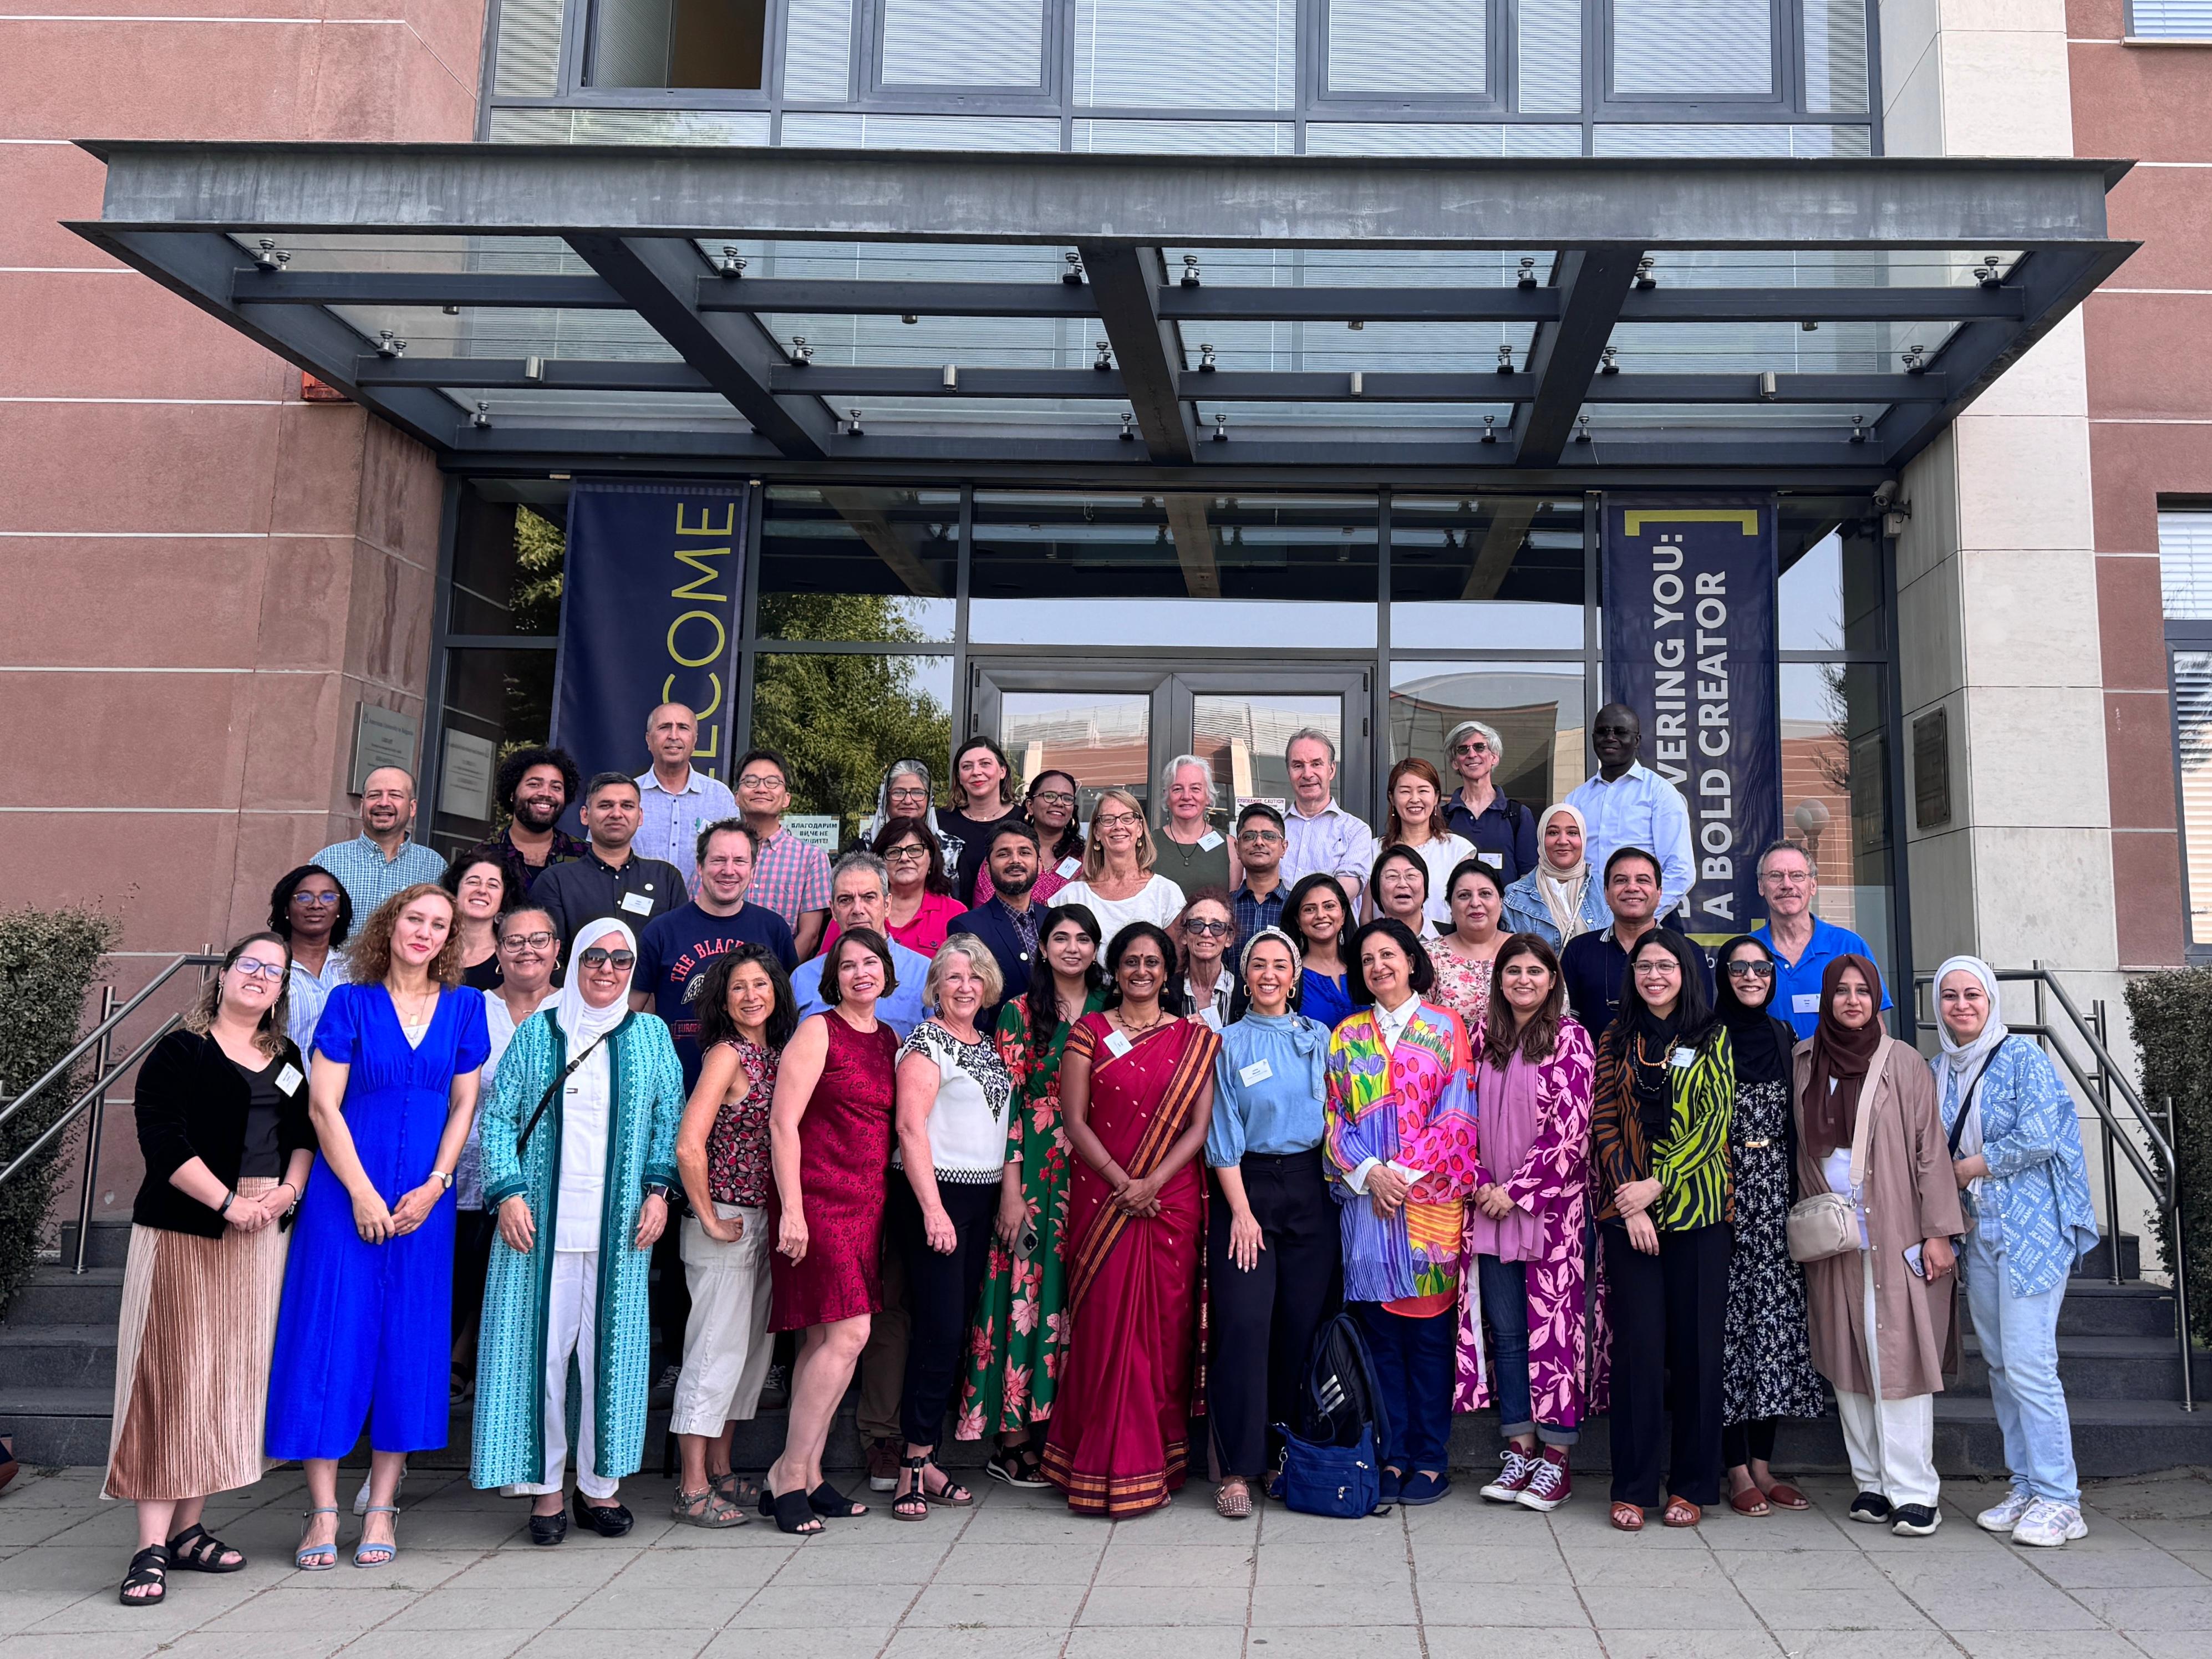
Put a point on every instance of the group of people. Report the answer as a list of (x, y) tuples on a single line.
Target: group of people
[(1069, 1138)]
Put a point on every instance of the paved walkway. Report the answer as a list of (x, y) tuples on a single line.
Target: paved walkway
[(1019, 1577)]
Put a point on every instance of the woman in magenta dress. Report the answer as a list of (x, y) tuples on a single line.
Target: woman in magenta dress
[(830, 1136), (1136, 1093)]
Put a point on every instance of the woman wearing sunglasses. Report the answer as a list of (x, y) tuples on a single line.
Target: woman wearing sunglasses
[(1206, 932), (579, 1156), (1766, 1372)]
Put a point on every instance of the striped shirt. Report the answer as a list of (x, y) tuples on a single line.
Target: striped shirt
[(790, 877), (369, 877), (1690, 1161)]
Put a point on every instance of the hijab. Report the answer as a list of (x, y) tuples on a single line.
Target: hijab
[(1759, 1053), (1964, 1059), (1563, 890), (1652, 1038), (579, 1021), (1840, 1055)]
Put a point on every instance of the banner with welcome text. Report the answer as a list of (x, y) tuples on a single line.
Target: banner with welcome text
[(649, 614), (1690, 646)]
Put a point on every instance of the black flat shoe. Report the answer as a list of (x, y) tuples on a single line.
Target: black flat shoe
[(609, 1521), (825, 1500), (548, 1529)]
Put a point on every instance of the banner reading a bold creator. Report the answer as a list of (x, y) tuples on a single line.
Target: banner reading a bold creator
[(1690, 646), (653, 580)]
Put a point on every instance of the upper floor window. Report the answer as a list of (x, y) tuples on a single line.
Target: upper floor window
[(707, 44), (932, 44), (2170, 20), (1693, 48), (2185, 558), (1407, 49)]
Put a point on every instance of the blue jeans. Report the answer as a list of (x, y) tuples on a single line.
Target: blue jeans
[(2020, 1339), (1413, 1360), (1505, 1287)]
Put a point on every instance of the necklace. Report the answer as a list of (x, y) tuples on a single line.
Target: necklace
[(1161, 1018), (424, 1005)]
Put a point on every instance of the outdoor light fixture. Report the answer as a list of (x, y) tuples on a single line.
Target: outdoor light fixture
[(1073, 275), (732, 264), (1858, 429), (1528, 273), (453, 311), (908, 318), (1129, 426), (1645, 278), (533, 368), (953, 377), (1809, 326), (482, 418), (1355, 326), (1190, 270), (801, 351), (268, 256), (852, 430), (1505, 360), (1490, 428), (1221, 428), (1987, 274), (1916, 360), (1105, 356), (387, 346), (1205, 359), (1769, 386), (1359, 382), (1581, 428), (1609, 361)]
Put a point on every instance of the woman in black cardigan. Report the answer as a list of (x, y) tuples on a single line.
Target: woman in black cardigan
[(223, 1125)]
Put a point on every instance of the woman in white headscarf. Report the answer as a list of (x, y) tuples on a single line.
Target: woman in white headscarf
[(1559, 899), (2015, 1144), (578, 1155)]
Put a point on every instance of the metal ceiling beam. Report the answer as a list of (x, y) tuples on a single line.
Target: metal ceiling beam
[(1966, 204), (658, 278), (1501, 544), (892, 297), (1194, 545), (1564, 358), (529, 374), (251, 285), (1126, 282), (1930, 304), (864, 510)]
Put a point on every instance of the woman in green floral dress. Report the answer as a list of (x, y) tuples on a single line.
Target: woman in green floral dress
[(1020, 1332)]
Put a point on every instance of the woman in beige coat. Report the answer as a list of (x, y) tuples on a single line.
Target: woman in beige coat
[(1879, 1315)]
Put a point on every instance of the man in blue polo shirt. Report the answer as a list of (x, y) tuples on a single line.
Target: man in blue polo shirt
[(1803, 944), (861, 896)]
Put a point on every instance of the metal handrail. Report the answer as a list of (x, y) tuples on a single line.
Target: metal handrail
[(94, 1098)]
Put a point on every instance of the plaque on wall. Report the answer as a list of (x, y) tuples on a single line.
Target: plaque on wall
[(1931, 770), (381, 737), (464, 776)]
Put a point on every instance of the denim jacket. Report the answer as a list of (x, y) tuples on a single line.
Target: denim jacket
[(1527, 912), (2038, 1181)]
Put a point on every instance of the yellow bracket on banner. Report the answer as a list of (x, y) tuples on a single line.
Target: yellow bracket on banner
[(1634, 519)]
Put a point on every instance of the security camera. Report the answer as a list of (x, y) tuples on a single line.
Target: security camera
[(1885, 493)]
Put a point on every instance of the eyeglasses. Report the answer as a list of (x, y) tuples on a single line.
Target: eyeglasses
[(1207, 929), (909, 855), (596, 958), (255, 968), (1473, 746), (320, 901), (1751, 970), (1260, 837), (761, 780), (1657, 969), (1115, 820), (916, 793), (533, 941), (1052, 798)]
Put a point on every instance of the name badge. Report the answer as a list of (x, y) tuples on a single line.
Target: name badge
[(1118, 1045), (1805, 1002), (637, 904), (1495, 861), (1209, 841), (1685, 1059), (1212, 1016), (289, 1079), (1258, 1072), (1069, 868)]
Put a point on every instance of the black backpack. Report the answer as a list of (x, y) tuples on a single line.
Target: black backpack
[(1343, 1400)]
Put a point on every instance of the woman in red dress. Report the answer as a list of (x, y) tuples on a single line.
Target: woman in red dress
[(1136, 1093), (836, 1081)]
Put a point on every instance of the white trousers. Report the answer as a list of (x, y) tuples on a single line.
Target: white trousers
[(1891, 1442), (570, 1330), (726, 1344)]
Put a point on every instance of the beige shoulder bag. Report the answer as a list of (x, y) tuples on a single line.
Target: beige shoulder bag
[(1824, 1224)]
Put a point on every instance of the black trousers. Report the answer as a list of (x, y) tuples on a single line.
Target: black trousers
[(1264, 1320), (941, 1292), (1669, 1319), (668, 1296), (473, 1232), (1741, 1442)]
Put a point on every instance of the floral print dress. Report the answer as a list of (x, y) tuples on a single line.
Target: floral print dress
[(1020, 1331), (1767, 1365)]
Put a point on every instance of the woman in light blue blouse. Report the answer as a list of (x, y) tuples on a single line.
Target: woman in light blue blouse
[(1271, 1253), (2016, 1148)]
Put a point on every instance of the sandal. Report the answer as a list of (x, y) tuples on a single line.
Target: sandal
[(318, 1558), (912, 1503), (370, 1553), (1784, 1496), (150, 1567), (826, 1500), (734, 1487), (790, 1510), (1017, 1466), (951, 1494), (1627, 1518), (1233, 1499), (706, 1507), (1682, 1512), (198, 1550), (1750, 1501)]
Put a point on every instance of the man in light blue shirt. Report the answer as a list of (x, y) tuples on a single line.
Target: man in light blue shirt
[(678, 800), (1803, 944), (1626, 803), (861, 896), (381, 860), (1319, 835)]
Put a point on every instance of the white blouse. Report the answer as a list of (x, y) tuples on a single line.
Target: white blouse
[(967, 1123), (1158, 902)]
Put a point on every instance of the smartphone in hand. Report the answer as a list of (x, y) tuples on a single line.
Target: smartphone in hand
[(1912, 1253)]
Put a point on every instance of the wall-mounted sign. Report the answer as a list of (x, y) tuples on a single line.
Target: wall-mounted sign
[(381, 737), (464, 776), (815, 829)]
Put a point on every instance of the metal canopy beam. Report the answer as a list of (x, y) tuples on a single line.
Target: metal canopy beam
[(1958, 202), (1126, 282), (865, 510), (657, 277), (1563, 359), (1194, 545)]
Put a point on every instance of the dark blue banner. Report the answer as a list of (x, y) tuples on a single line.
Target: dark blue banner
[(1690, 646), (649, 614)]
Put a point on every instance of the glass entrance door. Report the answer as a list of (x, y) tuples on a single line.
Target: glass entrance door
[(1121, 726)]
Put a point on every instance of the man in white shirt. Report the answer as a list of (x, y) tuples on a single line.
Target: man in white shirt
[(1319, 834), (678, 800), (1626, 803)]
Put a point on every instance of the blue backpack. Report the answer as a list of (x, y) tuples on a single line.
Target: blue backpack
[(1330, 1466)]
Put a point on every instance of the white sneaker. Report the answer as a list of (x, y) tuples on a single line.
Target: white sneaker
[(2047, 1525), (2003, 1517)]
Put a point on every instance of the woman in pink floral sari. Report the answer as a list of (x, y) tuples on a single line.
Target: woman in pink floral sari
[(1524, 1242)]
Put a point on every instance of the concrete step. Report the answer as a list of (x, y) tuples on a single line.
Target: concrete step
[(109, 1245), (2099, 1308), (58, 1356), (55, 1296), (57, 1427), (2100, 1368), (2098, 1264)]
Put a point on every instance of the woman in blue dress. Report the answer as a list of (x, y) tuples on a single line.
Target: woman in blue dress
[(362, 1333), (1316, 916)]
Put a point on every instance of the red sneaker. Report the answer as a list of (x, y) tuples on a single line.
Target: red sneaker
[(1549, 1484), (1512, 1479)]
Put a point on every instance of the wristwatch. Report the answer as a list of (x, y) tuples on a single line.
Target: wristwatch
[(656, 1189), (441, 1176)]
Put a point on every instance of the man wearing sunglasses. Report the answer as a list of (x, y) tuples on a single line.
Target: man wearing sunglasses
[(1803, 944)]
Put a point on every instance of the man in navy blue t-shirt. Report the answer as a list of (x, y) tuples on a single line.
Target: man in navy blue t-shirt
[(675, 950)]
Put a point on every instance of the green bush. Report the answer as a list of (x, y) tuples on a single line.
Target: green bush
[(48, 960), (2173, 1015)]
